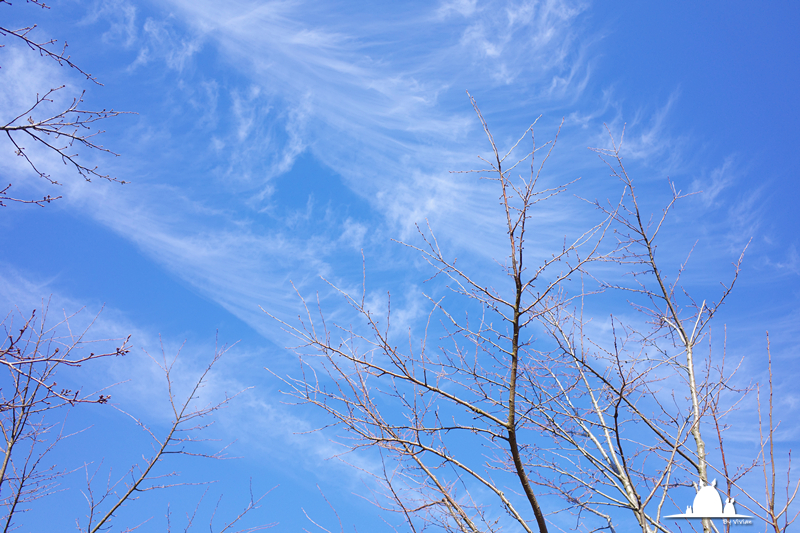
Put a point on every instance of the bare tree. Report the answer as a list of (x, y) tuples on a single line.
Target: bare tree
[(774, 508), (474, 395), (34, 356), (523, 400), (620, 441), (62, 130), (31, 357), (35, 353)]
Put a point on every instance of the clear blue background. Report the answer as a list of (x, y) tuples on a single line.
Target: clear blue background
[(275, 140)]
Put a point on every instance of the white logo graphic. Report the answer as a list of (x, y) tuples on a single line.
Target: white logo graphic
[(708, 504)]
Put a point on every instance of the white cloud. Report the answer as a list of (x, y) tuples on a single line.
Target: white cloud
[(719, 179), (745, 215), (69, 317), (646, 137), (465, 8), (161, 41), (121, 18), (372, 106), (246, 112), (790, 262), (138, 386), (26, 77), (353, 234), (295, 144)]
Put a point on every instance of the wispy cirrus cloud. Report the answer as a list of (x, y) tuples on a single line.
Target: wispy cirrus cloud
[(160, 41), (719, 179), (155, 39), (138, 385), (646, 134), (120, 15), (367, 83), (790, 261), (360, 94)]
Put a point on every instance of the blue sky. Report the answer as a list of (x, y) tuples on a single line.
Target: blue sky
[(272, 141)]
